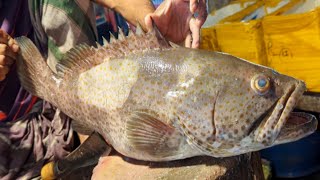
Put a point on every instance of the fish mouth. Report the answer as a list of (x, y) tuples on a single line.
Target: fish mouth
[(269, 129), (298, 125)]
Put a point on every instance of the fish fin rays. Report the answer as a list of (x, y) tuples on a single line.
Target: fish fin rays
[(138, 41), (79, 58), (147, 133), (33, 72), (139, 30), (161, 39), (84, 57)]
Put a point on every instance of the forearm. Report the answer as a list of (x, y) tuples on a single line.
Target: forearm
[(133, 11)]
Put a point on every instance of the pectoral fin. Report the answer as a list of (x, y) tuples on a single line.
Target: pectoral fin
[(147, 133)]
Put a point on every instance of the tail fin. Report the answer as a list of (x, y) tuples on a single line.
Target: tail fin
[(32, 69)]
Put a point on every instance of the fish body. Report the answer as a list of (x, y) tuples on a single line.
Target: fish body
[(155, 102)]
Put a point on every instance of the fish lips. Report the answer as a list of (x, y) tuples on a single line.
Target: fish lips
[(273, 121)]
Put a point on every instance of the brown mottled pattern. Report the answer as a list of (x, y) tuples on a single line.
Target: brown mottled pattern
[(152, 102)]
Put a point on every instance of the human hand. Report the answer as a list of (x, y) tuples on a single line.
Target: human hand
[(174, 18), (8, 53), (134, 11), (176, 22)]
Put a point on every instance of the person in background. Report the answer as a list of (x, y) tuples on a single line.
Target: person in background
[(31, 130)]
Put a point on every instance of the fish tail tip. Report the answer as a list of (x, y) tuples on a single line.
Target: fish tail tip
[(31, 67)]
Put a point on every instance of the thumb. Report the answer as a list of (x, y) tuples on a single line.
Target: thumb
[(14, 45), (153, 18), (148, 22)]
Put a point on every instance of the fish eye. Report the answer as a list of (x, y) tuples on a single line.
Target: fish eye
[(260, 84)]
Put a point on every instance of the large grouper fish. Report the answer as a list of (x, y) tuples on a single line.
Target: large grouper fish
[(153, 100)]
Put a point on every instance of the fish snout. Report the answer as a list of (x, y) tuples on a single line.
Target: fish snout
[(268, 131)]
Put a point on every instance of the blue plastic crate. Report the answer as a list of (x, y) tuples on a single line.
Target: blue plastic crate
[(296, 159)]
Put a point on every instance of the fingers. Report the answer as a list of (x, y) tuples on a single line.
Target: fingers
[(2, 77), (14, 45), (202, 13), (3, 71), (5, 63), (161, 17), (188, 41), (4, 37), (199, 7), (7, 51), (8, 40), (148, 22), (193, 6), (6, 60), (195, 32)]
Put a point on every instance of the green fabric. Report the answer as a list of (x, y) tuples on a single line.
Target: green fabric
[(60, 25), (55, 50), (75, 13)]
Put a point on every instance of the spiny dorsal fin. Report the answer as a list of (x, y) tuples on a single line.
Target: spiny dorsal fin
[(121, 35), (98, 45), (139, 30), (83, 57), (104, 41), (159, 36), (112, 38)]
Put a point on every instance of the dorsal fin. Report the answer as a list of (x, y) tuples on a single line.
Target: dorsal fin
[(98, 45), (139, 30), (112, 38), (104, 41), (121, 35), (83, 57), (76, 60)]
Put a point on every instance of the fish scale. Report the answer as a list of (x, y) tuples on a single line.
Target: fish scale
[(153, 100)]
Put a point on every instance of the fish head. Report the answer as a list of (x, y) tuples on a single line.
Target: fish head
[(250, 105), (258, 99)]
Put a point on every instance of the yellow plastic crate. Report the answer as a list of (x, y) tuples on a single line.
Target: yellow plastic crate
[(248, 42), (289, 43)]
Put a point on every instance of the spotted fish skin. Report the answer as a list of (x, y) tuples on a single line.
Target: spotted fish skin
[(155, 102)]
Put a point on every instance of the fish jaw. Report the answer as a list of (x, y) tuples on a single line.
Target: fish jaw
[(268, 131), (298, 125)]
